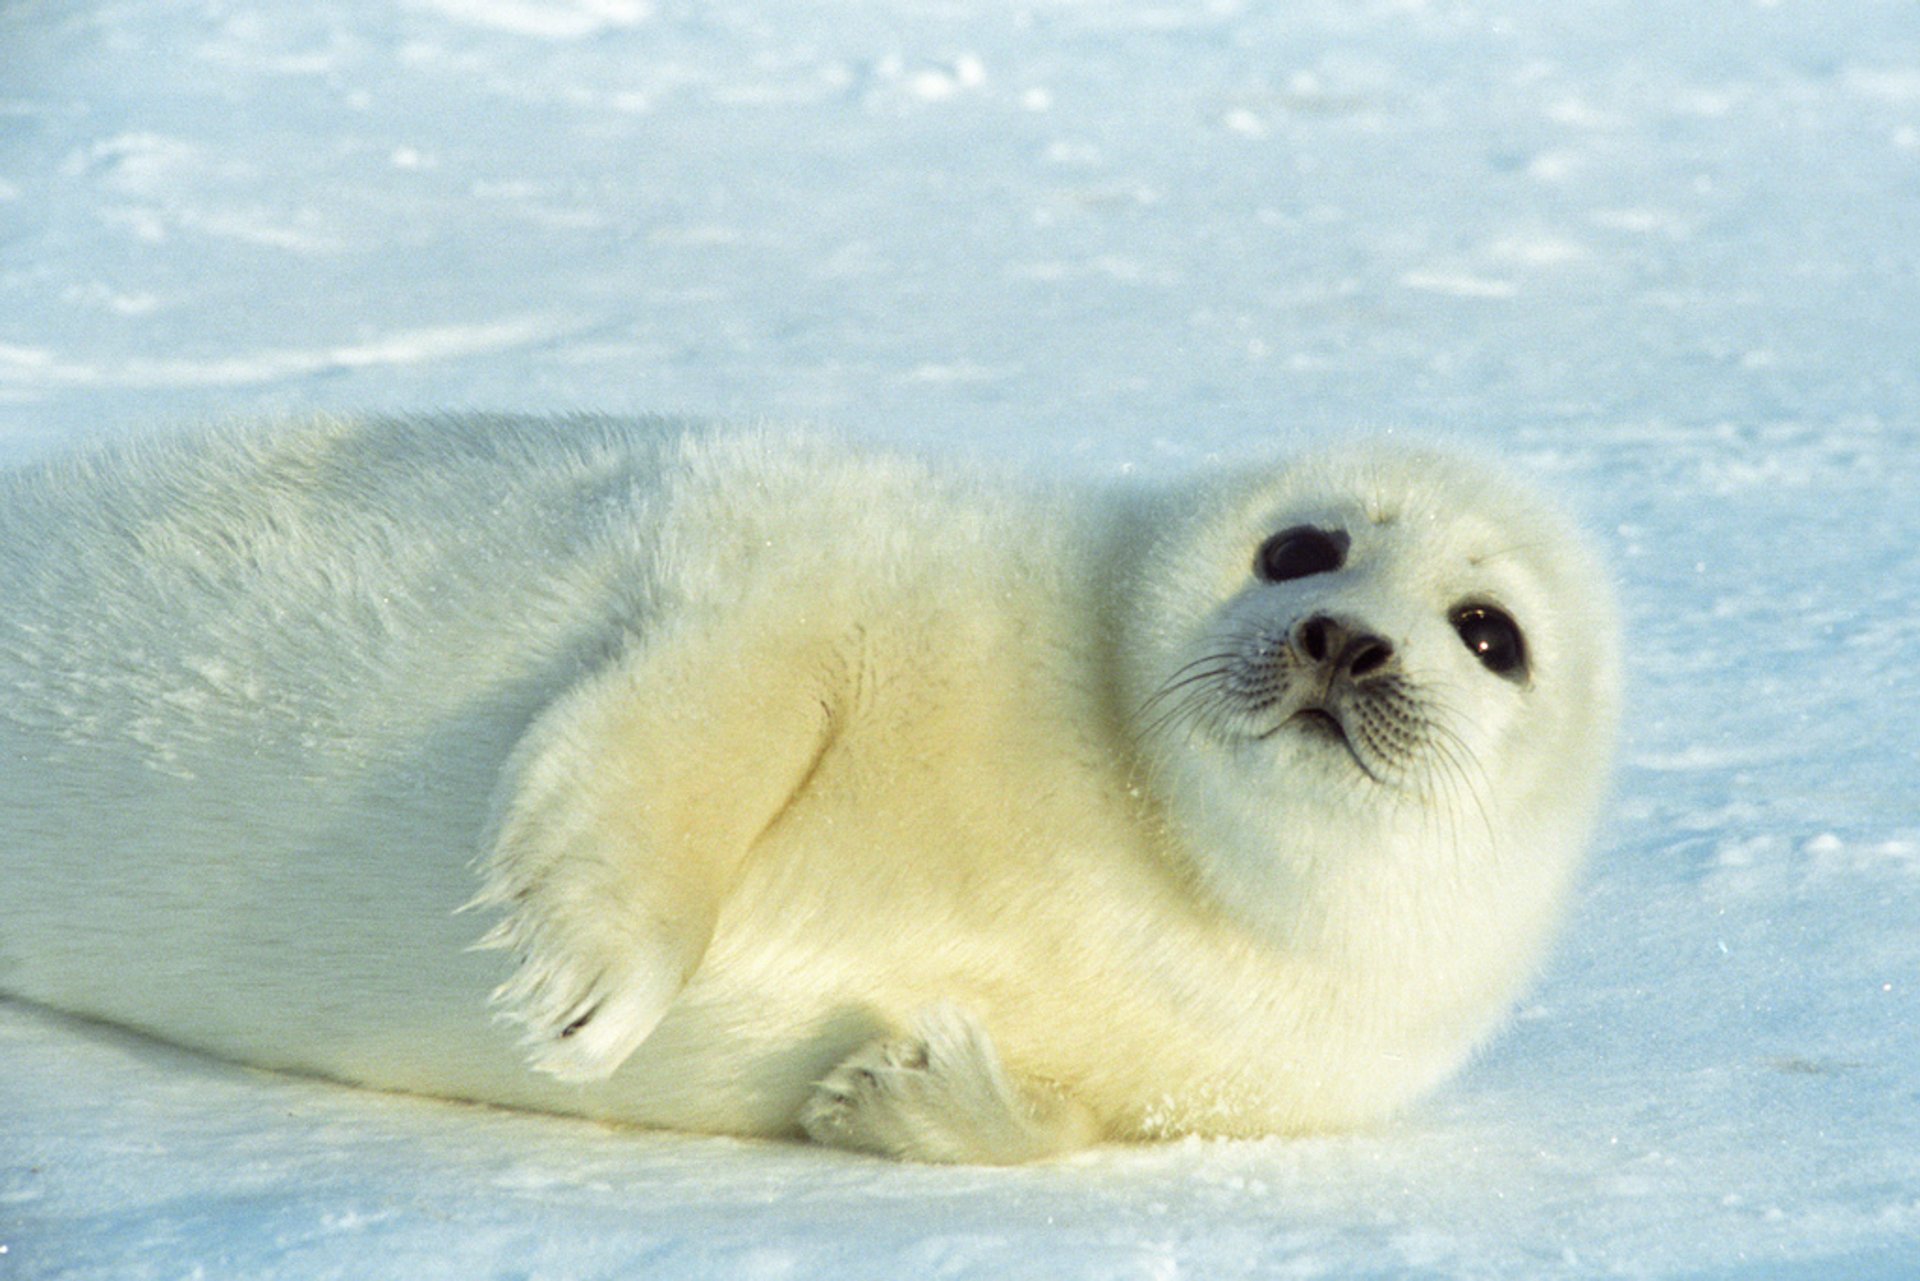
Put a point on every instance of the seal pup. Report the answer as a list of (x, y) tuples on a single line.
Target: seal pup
[(790, 787)]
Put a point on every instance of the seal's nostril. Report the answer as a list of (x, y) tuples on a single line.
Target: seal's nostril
[(1367, 654), (1353, 651), (1313, 637)]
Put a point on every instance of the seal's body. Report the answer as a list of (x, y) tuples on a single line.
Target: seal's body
[(803, 788)]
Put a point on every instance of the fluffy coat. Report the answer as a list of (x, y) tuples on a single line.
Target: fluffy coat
[(787, 787)]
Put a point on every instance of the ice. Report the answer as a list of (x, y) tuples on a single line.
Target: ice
[(1663, 258)]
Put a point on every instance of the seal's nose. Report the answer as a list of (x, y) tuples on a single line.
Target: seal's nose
[(1352, 650)]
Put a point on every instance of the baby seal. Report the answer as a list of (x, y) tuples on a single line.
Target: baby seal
[(804, 789)]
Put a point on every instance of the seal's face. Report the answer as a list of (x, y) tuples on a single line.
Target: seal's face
[(1371, 646), (1302, 653)]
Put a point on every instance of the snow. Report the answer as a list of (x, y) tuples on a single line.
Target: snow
[(1666, 258)]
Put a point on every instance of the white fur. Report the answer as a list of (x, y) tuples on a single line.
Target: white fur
[(808, 787), (941, 1093)]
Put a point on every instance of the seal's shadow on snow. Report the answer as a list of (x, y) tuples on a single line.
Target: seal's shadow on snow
[(128, 1045)]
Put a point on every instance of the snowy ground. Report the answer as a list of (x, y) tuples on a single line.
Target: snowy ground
[(1664, 256)]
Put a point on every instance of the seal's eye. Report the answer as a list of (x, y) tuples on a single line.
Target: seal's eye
[(1494, 638), (1300, 552)]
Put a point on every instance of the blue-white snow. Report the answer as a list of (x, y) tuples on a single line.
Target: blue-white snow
[(1664, 257)]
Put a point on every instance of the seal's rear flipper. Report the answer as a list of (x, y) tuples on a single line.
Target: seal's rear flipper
[(626, 813)]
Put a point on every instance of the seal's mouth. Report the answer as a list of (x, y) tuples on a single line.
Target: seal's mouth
[(1318, 720)]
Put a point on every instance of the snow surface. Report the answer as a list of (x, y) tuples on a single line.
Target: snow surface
[(1663, 256)]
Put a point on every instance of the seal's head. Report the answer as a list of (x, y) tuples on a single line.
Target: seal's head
[(1374, 654)]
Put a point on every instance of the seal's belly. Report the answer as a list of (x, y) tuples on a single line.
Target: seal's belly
[(853, 918)]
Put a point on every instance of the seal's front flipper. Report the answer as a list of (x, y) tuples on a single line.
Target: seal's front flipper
[(941, 1094), (582, 1022), (628, 810)]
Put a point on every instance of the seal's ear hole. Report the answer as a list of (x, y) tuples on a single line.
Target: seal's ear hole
[(1300, 552), (1493, 637)]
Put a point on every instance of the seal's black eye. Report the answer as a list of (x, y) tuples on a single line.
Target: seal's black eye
[(1494, 638), (1300, 552)]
